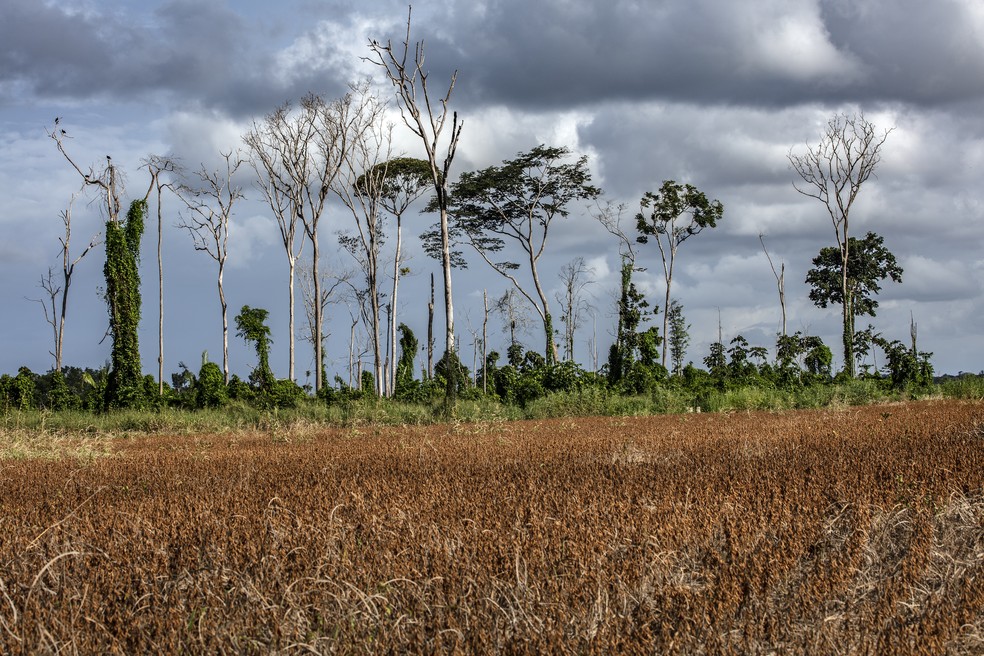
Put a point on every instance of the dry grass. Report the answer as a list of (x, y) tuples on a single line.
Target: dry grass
[(855, 531)]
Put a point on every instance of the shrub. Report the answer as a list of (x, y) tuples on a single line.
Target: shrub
[(210, 388)]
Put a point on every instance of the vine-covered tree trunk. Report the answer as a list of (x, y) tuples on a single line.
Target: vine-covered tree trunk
[(124, 387)]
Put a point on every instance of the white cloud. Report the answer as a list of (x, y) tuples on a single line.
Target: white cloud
[(249, 239), (793, 43)]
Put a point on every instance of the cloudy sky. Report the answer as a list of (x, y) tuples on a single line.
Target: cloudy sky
[(710, 92)]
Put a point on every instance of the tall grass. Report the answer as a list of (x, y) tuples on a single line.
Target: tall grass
[(238, 416)]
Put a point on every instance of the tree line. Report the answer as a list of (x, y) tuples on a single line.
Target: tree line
[(319, 151)]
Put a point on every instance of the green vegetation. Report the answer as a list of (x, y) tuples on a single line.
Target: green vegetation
[(56, 404), (124, 387)]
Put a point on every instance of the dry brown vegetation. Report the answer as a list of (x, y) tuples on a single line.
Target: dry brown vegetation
[(845, 531)]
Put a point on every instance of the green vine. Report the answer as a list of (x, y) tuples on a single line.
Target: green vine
[(124, 388)]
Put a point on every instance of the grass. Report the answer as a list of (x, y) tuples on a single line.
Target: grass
[(19, 429)]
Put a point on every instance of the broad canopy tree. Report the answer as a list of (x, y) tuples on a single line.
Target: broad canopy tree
[(516, 203), (869, 264)]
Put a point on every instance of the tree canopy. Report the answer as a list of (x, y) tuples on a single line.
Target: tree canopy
[(869, 264)]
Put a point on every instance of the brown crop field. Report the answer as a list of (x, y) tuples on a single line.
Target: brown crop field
[(841, 531)]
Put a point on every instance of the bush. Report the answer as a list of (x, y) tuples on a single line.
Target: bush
[(210, 388)]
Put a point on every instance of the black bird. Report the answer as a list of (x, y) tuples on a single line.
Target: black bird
[(57, 120)]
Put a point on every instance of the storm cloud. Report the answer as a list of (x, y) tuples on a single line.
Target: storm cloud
[(710, 92)]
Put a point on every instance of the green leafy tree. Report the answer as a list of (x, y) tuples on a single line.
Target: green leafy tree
[(125, 384), (17, 392), (405, 383), (818, 358), (210, 387), (671, 216), (833, 172), (517, 203), (905, 365), (716, 360), (251, 326), (678, 336), (633, 310), (58, 396), (869, 264)]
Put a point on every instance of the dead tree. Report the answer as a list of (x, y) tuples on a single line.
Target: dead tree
[(573, 305), (833, 172), (211, 205), (157, 165), (279, 153), (56, 306), (360, 185), (426, 117), (780, 282), (404, 180)]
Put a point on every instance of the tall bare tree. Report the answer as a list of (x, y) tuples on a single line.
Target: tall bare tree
[(108, 180), (405, 179), (511, 306), (299, 154), (574, 307), (157, 166), (334, 287), (780, 282), (58, 293), (833, 172), (360, 185), (278, 147), (426, 117), (210, 203)]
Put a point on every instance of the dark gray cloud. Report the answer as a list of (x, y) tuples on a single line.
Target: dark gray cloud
[(704, 91), (547, 54), (186, 53), (555, 53)]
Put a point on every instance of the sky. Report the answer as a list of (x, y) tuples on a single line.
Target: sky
[(709, 92)]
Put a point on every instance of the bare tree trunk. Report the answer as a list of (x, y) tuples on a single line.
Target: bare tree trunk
[(351, 367), (666, 314), (225, 324), (550, 352), (377, 356), (290, 337), (446, 266), (393, 305), (60, 337), (318, 312), (848, 310), (913, 333), (780, 282), (160, 298), (485, 343), (430, 333)]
